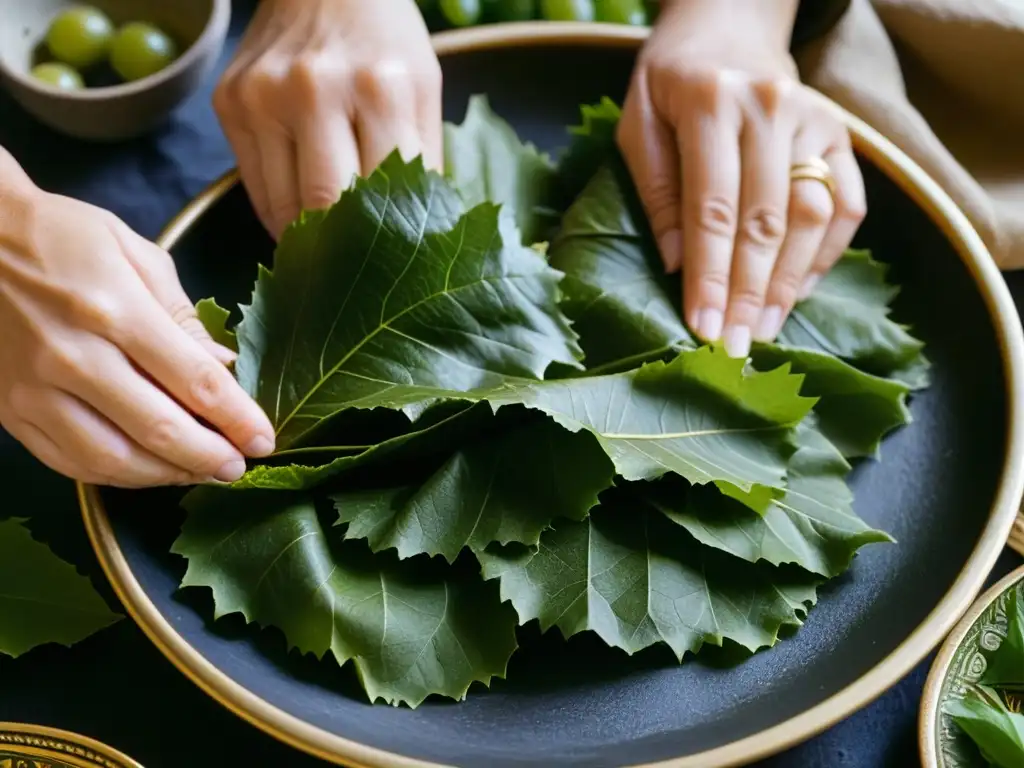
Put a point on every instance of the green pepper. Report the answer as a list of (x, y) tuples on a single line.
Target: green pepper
[(568, 10), (462, 13)]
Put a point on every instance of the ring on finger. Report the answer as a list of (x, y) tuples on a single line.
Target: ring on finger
[(815, 169)]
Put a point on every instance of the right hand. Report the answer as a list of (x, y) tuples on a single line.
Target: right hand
[(106, 375), (321, 91)]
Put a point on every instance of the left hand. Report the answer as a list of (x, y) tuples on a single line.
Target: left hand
[(713, 125)]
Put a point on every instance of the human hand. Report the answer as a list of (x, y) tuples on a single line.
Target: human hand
[(106, 375), (715, 93), (323, 90)]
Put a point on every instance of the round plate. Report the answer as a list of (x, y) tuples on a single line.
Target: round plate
[(947, 490), (960, 662), (36, 746)]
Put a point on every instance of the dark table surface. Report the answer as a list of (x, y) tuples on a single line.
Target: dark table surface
[(116, 686)]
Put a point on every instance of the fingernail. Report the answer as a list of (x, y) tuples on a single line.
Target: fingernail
[(809, 285), (231, 471), (770, 324), (670, 246), (259, 446), (709, 324), (737, 340)]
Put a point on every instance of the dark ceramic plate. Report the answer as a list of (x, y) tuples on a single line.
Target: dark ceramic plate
[(947, 490)]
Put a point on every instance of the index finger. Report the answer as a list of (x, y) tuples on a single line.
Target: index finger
[(190, 374), (710, 187)]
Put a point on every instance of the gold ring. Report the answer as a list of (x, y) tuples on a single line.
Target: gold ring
[(815, 169)]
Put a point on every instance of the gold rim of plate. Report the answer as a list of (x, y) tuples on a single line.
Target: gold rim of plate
[(931, 699), (53, 748), (915, 183)]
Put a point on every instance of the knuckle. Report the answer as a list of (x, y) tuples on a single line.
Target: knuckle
[(21, 399), (317, 196), (100, 311), (763, 226), (810, 209), (745, 299), (182, 312), (378, 80), (112, 461), (163, 435), (206, 387), (58, 363), (785, 286), (660, 198), (716, 215), (430, 76), (705, 89), (253, 90), (772, 94), (852, 210)]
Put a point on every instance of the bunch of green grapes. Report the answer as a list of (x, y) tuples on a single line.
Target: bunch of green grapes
[(83, 39), (444, 14)]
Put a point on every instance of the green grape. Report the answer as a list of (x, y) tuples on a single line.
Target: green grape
[(80, 37), (58, 75), (621, 12), (461, 13), (567, 10), (141, 50), (513, 10)]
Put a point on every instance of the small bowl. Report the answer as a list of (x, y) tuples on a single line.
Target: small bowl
[(961, 662), (114, 112)]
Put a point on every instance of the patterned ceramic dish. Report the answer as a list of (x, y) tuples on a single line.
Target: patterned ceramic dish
[(960, 663), (36, 746)]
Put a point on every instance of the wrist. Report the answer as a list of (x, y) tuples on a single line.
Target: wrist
[(770, 20)]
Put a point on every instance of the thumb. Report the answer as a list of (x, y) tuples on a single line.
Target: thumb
[(649, 148), (156, 268)]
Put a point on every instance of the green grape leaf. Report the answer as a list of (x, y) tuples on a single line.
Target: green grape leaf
[(503, 488), (44, 600), (1006, 664), (702, 416), (855, 409), (627, 310), (998, 732), (410, 630), (592, 144), (637, 579), (215, 319), (847, 315), (488, 163), (812, 524), (393, 296), (438, 430)]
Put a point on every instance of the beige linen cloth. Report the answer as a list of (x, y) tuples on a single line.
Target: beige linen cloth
[(944, 81)]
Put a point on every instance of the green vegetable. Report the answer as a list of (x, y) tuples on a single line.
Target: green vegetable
[(621, 12), (58, 75), (44, 600), (140, 50), (567, 10), (80, 37), (462, 13), (1005, 668), (998, 732), (511, 10), (477, 429)]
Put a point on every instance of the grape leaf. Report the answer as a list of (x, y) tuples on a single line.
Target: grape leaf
[(855, 409), (1006, 664), (394, 295), (215, 319), (429, 434), (627, 310), (847, 316), (488, 163), (701, 416), (44, 600), (503, 488), (593, 143), (410, 630), (636, 579), (812, 524), (998, 732)]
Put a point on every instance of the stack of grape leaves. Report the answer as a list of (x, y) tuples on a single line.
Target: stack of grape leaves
[(489, 412)]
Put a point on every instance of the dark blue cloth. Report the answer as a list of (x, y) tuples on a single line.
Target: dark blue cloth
[(116, 686)]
